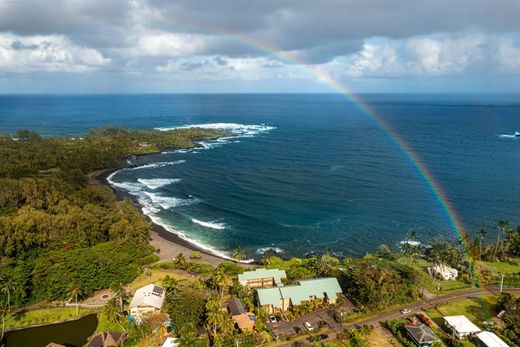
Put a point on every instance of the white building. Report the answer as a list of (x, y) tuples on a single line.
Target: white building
[(461, 326), (488, 339), (148, 299), (443, 271)]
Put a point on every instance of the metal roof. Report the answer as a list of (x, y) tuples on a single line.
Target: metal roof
[(150, 295), (276, 274), (491, 340)]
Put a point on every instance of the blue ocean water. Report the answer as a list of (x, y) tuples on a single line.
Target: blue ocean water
[(314, 172)]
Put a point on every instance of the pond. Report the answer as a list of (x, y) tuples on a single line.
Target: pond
[(71, 334)]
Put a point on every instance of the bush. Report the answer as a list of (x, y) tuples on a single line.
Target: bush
[(150, 259), (196, 255)]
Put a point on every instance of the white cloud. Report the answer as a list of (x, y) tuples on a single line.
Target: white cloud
[(169, 45), (227, 68), (46, 53), (508, 56), (429, 56)]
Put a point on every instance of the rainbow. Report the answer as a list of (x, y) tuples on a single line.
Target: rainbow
[(424, 173)]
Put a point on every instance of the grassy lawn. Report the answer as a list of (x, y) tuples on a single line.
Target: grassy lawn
[(429, 282), (501, 267), (155, 276), (475, 309), (45, 316)]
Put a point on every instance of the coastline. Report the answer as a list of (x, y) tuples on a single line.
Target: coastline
[(170, 244)]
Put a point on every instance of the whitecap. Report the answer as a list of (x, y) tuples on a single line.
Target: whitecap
[(262, 250), (167, 202), (155, 183), (157, 165), (234, 128), (508, 136), (211, 225)]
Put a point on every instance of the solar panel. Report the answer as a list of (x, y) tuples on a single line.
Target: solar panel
[(158, 291)]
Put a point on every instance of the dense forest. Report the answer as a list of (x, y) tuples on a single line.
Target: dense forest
[(58, 232)]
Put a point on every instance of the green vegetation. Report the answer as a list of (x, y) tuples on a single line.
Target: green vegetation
[(44, 316), (375, 283), (476, 310), (511, 305), (61, 237)]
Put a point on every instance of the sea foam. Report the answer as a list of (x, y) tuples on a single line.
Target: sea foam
[(238, 130), (211, 225), (155, 183)]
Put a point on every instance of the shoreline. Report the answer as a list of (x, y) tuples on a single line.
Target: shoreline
[(169, 243)]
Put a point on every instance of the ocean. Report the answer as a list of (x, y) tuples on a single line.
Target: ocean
[(305, 173)]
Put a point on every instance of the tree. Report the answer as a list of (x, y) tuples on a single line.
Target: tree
[(188, 336), (180, 261), (120, 292), (74, 293), (4, 312), (218, 280), (8, 286), (501, 227), (383, 250), (481, 234), (214, 316), (238, 255), (111, 311)]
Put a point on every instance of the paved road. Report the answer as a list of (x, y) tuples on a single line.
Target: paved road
[(425, 304), (418, 306)]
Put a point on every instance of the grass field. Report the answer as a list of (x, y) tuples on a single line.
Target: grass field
[(501, 267), (475, 309), (155, 276), (431, 283), (45, 316)]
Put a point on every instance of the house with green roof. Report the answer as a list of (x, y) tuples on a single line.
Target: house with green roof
[(262, 278), (278, 299)]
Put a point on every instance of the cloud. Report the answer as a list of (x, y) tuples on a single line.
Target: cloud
[(46, 53)]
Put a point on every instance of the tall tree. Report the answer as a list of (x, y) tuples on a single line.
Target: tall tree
[(481, 234), (238, 255), (501, 227), (8, 286), (75, 292), (120, 292), (218, 280), (111, 311)]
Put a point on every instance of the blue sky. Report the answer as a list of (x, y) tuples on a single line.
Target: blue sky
[(118, 46)]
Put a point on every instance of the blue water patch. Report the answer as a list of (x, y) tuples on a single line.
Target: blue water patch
[(311, 172)]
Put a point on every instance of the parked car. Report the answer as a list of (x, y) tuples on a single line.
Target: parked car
[(297, 330), (405, 311), (272, 319), (308, 326)]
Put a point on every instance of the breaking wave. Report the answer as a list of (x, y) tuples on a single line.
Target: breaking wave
[(262, 250), (155, 183), (211, 225), (156, 165), (238, 130)]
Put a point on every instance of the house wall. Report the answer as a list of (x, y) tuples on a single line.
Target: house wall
[(260, 283)]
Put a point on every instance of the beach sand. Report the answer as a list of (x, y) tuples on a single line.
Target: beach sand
[(169, 244)]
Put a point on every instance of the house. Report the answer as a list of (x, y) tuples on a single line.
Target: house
[(421, 335), (106, 339), (148, 299), (171, 342), (282, 298), (443, 271), (488, 339), (461, 326), (262, 278), (245, 321), (53, 344)]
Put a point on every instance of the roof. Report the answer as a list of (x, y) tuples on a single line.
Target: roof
[(269, 296), (53, 344), (318, 287), (150, 295), (491, 340), (170, 342), (462, 324), (236, 307), (421, 333), (108, 338), (276, 274), (442, 268), (245, 321)]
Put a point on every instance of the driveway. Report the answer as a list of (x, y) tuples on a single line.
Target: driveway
[(317, 318)]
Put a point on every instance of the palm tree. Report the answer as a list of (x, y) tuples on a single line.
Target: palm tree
[(238, 255), (213, 315), (8, 287), (4, 311), (119, 290), (218, 279), (481, 234), (74, 293), (111, 311), (501, 227)]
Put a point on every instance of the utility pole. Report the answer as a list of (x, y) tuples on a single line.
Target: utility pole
[(501, 283)]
